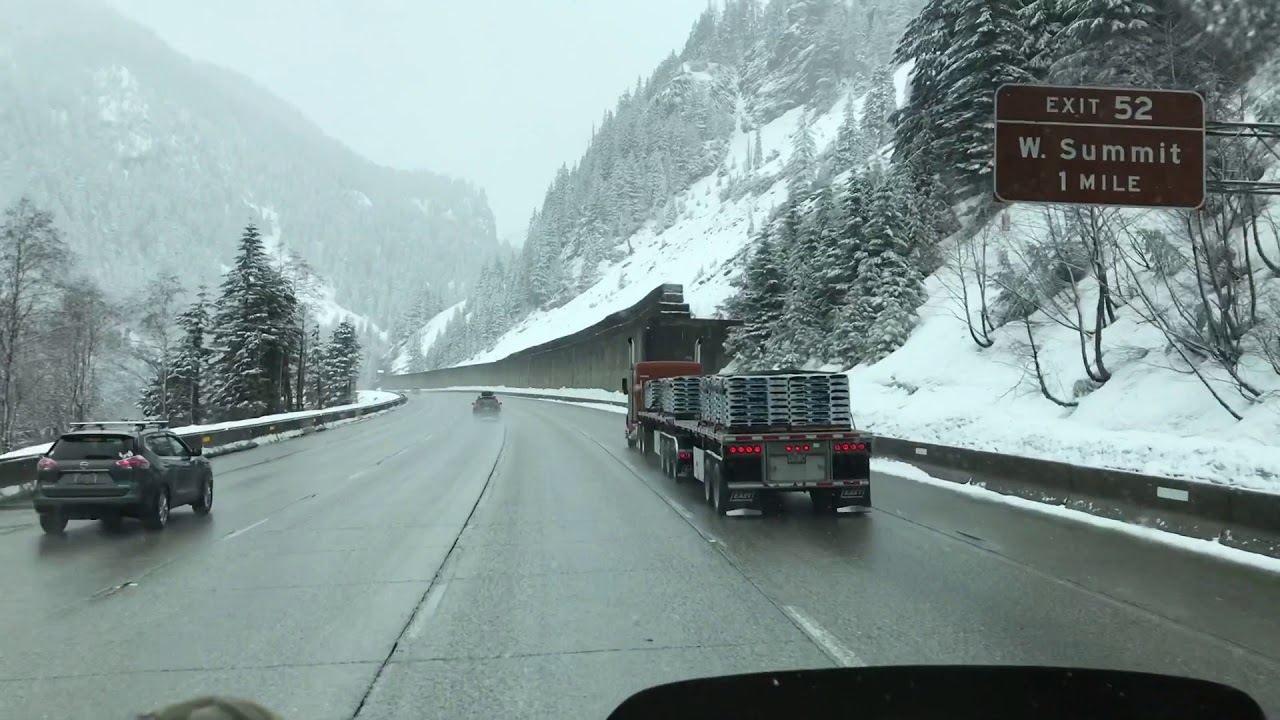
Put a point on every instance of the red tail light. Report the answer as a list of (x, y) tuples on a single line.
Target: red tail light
[(136, 462), (686, 456), (847, 447), (46, 463), (734, 449)]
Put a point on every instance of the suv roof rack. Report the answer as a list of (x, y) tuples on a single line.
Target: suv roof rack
[(104, 424)]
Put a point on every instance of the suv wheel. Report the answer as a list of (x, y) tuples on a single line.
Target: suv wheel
[(53, 523), (205, 503), (156, 515)]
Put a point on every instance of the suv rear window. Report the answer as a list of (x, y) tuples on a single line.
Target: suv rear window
[(91, 447), (486, 394)]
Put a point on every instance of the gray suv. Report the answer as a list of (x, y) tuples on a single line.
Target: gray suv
[(114, 470)]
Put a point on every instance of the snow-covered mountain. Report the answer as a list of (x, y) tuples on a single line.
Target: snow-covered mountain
[(150, 159)]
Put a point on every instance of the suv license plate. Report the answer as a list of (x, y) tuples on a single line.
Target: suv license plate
[(91, 479)]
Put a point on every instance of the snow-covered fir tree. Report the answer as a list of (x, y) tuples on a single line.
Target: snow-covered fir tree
[(253, 323), (761, 298), (191, 361), (802, 165), (341, 365)]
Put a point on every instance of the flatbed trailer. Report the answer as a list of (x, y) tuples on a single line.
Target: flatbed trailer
[(744, 471)]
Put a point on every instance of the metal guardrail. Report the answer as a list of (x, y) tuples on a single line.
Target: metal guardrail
[(1234, 517), (21, 470)]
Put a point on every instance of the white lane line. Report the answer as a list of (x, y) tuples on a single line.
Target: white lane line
[(359, 473), (825, 640), (434, 596), (242, 531)]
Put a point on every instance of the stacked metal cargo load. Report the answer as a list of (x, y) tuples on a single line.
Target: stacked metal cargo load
[(792, 400), (819, 400), (744, 400), (653, 395), (680, 396)]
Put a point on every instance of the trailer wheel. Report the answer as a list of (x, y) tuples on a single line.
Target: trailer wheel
[(708, 477), (720, 492)]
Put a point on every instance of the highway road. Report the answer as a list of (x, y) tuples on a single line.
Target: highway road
[(425, 564)]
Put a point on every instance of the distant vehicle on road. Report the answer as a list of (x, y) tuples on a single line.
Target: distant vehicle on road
[(486, 403), (113, 470)]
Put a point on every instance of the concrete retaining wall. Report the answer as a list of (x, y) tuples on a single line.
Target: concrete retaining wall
[(660, 326)]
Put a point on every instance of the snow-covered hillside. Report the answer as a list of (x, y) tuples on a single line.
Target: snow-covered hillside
[(424, 338)]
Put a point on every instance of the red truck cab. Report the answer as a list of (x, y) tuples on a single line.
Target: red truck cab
[(643, 372)]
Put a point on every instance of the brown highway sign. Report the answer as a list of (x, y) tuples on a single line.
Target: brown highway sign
[(1099, 146)]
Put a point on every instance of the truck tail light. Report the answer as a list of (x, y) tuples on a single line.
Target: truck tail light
[(686, 455)]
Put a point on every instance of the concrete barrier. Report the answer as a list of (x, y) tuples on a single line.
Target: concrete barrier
[(1235, 517), (19, 471)]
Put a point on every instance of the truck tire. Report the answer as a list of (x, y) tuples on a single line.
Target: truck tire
[(708, 477), (720, 493)]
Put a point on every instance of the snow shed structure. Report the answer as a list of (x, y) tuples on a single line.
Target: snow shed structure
[(660, 325)]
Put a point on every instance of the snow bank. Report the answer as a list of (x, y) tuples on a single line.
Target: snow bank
[(1180, 542)]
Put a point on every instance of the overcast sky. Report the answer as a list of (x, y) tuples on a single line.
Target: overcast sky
[(499, 91)]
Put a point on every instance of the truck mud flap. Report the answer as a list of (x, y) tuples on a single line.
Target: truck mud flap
[(744, 503), (852, 499)]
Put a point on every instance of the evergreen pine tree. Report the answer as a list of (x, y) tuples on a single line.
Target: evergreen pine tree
[(318, 361), (846, 145), (244, 322), (888, 287), (757, 151), (342, 365), (877, 108), (798, 338), (1107, 42), (191, 362), (802, 165), (758, 304), (989, 52), (926, 41)]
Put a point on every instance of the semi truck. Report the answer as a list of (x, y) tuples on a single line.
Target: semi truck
[(744, 471)]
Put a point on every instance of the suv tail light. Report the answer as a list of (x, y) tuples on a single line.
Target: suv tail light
[(136, 462), (46, 463)]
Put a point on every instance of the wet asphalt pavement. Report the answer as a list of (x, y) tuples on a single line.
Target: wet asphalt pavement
[(426, 564)]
